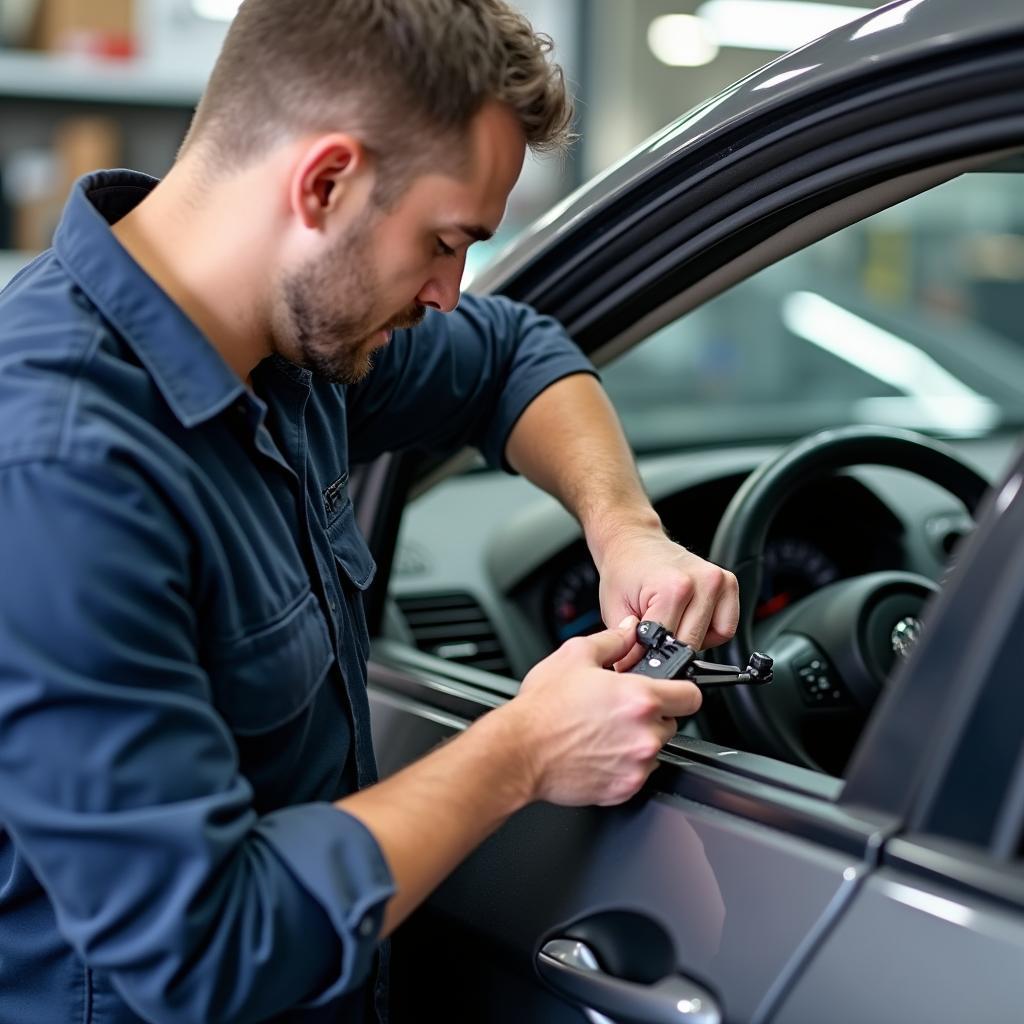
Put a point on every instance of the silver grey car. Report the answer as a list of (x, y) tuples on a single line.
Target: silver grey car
[(806, 298)]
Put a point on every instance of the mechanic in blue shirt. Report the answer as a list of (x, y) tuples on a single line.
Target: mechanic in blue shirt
[(190, 829)]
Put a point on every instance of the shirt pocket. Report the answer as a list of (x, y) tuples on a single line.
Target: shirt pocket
[(269, 676), (356, 571)]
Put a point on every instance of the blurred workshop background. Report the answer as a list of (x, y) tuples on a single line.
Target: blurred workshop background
[(103, 83)]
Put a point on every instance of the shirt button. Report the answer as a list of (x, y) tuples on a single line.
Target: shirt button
[(332, 606), (366, 927)]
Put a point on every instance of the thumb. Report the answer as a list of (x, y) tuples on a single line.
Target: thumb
[(613, 644)]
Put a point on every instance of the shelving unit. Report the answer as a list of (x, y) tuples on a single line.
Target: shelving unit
[(148, 100), (81, 79)]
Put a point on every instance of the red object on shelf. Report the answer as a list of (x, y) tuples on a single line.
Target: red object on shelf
[(103, 28), (112, 45)]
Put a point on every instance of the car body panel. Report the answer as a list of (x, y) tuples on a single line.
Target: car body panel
[(891, 37), (946, 958), (691, 869)]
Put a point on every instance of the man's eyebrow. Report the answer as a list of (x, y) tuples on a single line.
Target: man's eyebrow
[(475, 231)]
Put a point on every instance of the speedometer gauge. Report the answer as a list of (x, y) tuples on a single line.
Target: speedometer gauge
[(573, 604), (793, 568)]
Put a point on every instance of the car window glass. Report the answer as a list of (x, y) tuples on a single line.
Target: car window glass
[(909, 318)]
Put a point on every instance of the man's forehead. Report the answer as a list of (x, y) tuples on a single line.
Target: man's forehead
[(467, 190), (473, 208)]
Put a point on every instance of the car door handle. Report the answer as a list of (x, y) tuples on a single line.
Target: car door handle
[(571, 969)]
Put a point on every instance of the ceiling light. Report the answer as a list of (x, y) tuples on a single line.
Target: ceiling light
[(682, 41), (931, 397), (773, 24), (870, 348), (216, 10)]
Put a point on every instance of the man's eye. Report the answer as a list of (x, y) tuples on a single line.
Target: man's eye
[(444, 250)]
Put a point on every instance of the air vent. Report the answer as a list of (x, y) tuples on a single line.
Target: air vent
[(454, 627)]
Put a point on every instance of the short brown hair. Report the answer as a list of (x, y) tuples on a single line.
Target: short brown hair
[(405, 73)]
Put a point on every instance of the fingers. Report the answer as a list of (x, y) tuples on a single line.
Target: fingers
[(677, 698), (605, 648), (632, 658), (702, 610), (726, 616), (667, 727)]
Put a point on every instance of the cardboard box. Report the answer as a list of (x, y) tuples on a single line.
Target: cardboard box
[(80, 145), (91, 25), (83, 145)]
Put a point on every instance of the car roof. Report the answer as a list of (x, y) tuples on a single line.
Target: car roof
[(886, 38)]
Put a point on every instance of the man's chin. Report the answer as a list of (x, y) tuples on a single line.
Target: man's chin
[(359, 365)]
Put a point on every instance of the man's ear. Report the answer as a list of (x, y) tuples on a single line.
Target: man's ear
[(324, 177)]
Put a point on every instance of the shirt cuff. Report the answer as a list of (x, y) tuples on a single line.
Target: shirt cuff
[(337, 860)]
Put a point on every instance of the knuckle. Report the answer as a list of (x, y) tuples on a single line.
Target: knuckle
[(643, 705), (631, 782), (648, 748), (691, 638), (574, 647), (712, 578)]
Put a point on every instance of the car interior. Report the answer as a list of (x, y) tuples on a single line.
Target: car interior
[(901, 312)]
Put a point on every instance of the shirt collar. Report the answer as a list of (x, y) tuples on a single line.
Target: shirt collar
[(190, 373)]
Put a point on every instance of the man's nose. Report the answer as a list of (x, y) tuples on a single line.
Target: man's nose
[(443, 289)]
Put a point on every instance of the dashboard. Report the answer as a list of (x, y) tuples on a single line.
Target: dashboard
[(494, 543), (830, 530)]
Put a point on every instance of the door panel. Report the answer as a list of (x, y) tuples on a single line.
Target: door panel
[(912, 951), (736, 899)]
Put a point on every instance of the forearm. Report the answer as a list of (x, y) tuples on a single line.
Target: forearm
[(569, 442), (428, 817)]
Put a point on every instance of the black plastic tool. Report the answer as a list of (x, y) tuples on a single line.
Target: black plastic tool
[(668, 658)]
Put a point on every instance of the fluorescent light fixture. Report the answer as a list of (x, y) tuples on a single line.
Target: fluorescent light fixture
[(870, 348), (780, 25), (931, 395), (216, 10), (682, 41), (960, 414)]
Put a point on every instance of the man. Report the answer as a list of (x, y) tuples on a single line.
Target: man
[(192, 829)]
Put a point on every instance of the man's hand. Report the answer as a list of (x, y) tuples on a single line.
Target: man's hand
[(645, 574), (569, 442), (589, 736), (576, 734)]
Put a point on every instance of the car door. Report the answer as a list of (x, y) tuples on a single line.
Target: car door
[(708, 895), (715, 876), (936, 933)]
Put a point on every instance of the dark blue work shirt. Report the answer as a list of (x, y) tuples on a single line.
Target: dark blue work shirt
[(182, 640)]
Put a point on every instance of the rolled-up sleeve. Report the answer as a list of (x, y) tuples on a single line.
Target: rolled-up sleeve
[(460, 378), (120, 784)]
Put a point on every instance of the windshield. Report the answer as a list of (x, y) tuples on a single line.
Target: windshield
[(912, 317)]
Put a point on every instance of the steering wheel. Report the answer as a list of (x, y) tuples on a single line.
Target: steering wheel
[(835, 648)]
